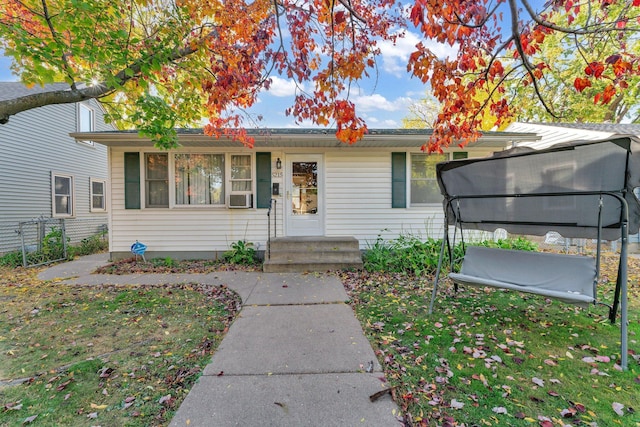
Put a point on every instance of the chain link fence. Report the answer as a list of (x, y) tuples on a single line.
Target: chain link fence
[(45, 240)]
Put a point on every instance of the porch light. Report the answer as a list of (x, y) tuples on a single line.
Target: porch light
[(278, 163)]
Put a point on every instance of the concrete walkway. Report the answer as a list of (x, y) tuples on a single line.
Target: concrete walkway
[(295, 356)]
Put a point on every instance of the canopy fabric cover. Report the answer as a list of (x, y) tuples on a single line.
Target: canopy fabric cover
[(537, 191)]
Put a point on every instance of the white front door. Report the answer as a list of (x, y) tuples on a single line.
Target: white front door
[(304, 204)]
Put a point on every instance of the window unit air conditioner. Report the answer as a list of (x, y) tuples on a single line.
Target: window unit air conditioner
[(240, 201)]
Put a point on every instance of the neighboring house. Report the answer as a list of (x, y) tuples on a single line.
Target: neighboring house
[(556, 133), (195, 201), (45, 173)]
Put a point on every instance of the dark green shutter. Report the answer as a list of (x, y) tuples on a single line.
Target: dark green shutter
[(398, 180), (263, 180), (132, 180), (460, 155)]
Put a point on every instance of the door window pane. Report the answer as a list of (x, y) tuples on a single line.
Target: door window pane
[(304, 185)]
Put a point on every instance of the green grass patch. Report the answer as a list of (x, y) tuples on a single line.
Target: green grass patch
[(498, 358), (104, 355)]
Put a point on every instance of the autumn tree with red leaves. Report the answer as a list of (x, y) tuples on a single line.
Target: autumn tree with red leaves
[(158, 65)]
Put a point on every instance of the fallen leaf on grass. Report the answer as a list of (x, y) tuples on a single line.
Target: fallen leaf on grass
[(167, 400), (13, 406), (537, 381), (94, 406), (92, 415), (457, 405), (64, 385), (500, 410), (30, 419), (618, 408)]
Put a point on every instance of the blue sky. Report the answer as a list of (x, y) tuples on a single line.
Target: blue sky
[(382, 100)]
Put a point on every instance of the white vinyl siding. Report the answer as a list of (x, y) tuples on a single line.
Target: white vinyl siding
[(356, 189), (33, 143)]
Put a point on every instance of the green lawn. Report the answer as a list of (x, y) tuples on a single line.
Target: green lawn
[(489, 357), (103, 355)]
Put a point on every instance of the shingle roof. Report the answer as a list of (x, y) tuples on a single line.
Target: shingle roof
[(618, 128), (12, 90)]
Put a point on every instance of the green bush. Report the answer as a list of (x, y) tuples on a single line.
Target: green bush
[(52, 248), (412, 255), (241, 252), (164, 262), (518, 243), (406, 254), (11, 259), (90, 245)]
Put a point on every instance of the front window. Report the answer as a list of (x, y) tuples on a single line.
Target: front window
[(62, 195), (157, 180), (98, 196), (240, 173), (199, 179), (424, 185)]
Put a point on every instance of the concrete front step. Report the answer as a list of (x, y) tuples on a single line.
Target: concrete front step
[(300, 254)]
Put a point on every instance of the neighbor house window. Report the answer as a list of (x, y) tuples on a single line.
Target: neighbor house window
[(157, 180), (98, 195), (86, 120), (199, 179), (240, 173), (424, 185), (62, 195)]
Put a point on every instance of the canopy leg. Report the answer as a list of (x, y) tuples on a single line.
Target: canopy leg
[(438, 269), (622, 274), (613, 310)]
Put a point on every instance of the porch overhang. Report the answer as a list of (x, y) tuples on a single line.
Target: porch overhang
[(304, 138)]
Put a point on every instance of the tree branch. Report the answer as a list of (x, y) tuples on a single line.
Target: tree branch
[(525, 61), (14, 106), (65, 56)]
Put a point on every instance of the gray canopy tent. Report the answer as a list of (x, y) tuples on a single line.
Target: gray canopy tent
[(580, 190)]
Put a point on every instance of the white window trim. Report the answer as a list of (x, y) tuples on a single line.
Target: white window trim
[(54, 214), (92, 110), (104, 195)]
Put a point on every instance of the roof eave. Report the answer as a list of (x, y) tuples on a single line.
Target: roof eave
[(274, 139)]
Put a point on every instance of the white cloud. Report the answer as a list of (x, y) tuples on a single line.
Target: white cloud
[(396, 55), (379, 102), (282, 87)]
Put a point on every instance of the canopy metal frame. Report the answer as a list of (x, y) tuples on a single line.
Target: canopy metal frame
[(620, 296)]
